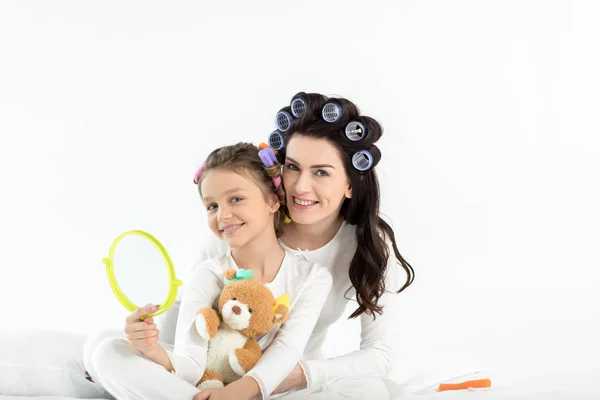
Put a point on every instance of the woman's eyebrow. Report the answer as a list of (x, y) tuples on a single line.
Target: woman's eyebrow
[(312, 166)]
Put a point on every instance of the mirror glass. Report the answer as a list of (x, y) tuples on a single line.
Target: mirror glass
[(140, 270)]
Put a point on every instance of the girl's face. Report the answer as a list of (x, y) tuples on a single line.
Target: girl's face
[(315, 180), (237, 210)]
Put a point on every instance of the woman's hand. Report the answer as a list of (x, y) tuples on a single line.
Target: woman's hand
[(242, 389), (143, 335), (295, 380), (219, 394)]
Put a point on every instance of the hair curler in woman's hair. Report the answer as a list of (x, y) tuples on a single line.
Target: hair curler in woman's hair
[(364, 160), (283, 119), (332, 112), (356, 130), (276, 140), (299, 104)]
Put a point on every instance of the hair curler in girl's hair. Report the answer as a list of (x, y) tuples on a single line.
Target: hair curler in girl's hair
[(332, 112), (299, 104), (364, 160), (199, 172), (263, 145), (283, 119), (356, 130), (276, 140), (268, 158)]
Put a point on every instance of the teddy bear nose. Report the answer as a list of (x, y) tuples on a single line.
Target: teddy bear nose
[(236, 310)]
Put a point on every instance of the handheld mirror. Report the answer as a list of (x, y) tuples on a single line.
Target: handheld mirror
[(140, 272)]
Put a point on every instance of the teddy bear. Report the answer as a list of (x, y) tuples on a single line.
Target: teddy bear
[(246, 309)]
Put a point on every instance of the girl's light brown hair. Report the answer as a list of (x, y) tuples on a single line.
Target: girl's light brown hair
[(242, 158)]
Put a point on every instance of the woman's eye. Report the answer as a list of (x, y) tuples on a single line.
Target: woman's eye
[(293, 167), (211, 207), (236, 199), (322, 173)]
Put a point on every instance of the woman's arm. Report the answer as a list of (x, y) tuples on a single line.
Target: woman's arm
[(375, 357), (280, 358), (380, 338), (188, 357)]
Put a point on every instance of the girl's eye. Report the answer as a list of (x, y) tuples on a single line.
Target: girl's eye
[(236, 199), (322, 173), (211, 207)]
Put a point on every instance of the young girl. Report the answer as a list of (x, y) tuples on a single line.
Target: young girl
[(242, 194)]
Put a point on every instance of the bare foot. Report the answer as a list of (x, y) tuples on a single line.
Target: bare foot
[(88, 377)]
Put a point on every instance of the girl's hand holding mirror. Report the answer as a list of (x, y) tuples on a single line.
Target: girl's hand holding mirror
[(140, 271), (142, 334)]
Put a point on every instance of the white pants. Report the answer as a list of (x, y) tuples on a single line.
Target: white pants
[(55, 363), (125, 373)]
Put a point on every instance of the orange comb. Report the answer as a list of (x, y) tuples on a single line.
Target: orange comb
[(476, 384)]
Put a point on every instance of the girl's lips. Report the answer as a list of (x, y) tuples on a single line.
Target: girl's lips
[(229, 229)]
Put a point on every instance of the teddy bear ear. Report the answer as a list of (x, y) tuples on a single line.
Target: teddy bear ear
[(281, 314), (229, 274)]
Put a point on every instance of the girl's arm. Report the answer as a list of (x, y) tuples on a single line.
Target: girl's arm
[(141, 335), (188, 357), (282, 355), (160, 356)]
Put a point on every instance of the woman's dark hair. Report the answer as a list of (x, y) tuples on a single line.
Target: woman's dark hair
[(369, 264), (243, 158)]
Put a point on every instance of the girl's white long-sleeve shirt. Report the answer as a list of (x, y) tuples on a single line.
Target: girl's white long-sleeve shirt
[(307, 283), (379, 337)]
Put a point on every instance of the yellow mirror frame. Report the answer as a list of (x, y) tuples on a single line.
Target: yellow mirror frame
[(123, 299)]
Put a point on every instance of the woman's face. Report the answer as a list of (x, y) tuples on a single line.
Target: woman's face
[(315, 180)]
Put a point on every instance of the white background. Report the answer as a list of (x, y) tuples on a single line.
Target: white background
[(489, 172)]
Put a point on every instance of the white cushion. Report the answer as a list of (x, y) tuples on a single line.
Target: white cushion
[(43, 362)]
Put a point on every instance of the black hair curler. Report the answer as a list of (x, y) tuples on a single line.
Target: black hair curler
[(364, 160), (276, 140), (356, 130), (332, 112), (283, 119), (299, 104)]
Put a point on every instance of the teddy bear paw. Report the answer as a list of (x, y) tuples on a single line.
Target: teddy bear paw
[(201, 327), (211, 384), (235, 364)]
